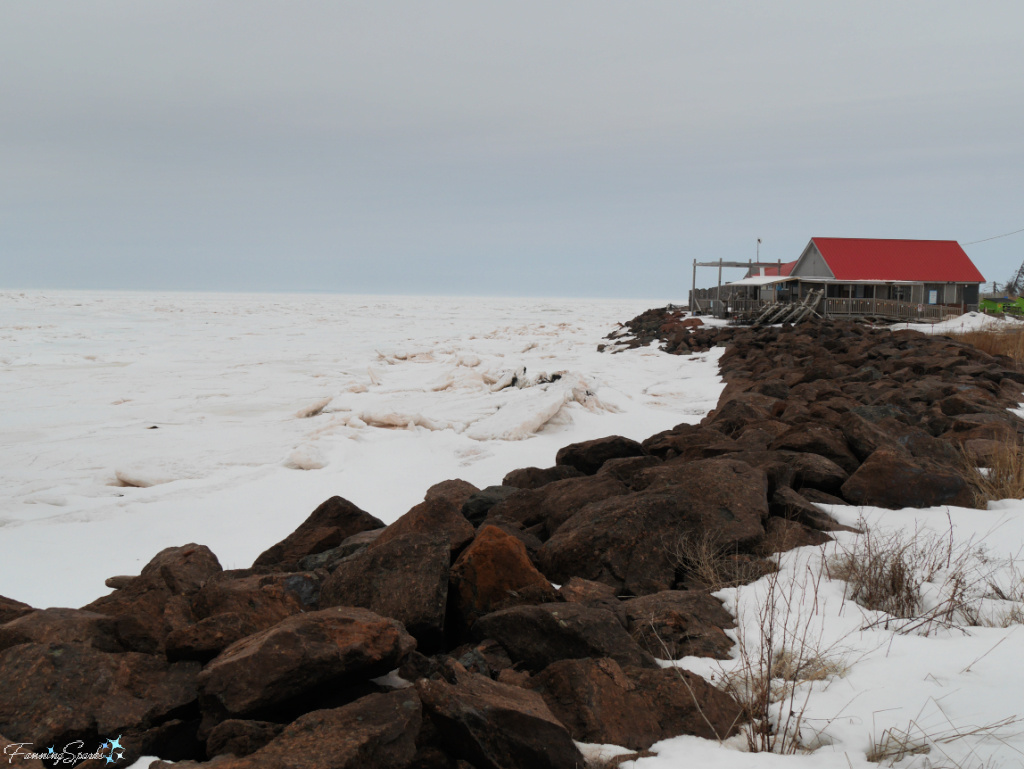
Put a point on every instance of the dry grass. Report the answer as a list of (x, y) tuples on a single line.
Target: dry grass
[(1003, 479), (775, 665), (1009, 343), (705, 562), (897, 743), (888, 571)]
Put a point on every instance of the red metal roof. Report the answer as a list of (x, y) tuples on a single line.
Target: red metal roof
[(787, 267), (931, 261)]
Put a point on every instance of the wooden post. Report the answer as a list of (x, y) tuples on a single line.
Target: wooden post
[(693, 286), (718, 296)]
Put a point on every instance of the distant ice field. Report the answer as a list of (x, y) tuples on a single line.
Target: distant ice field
[(130, 422)]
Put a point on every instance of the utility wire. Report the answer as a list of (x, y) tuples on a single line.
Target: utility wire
[(994, 237)]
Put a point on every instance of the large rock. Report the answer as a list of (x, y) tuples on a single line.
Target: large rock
[(455, 491), (535, 477), (405, 578), (601, 702), (301, 656), (536, 636), (377, 731), (107, 634), (890, 479), (183, 569), (239, 737), (331, 523), (680, 623), (816, 472), (630, 541), (588, 456), (54, 693), (229, 608), (493, 573), (556, 502), (11, 609), (173, 572), (476, 508), (820, 439), (437, 516), (495, 726)]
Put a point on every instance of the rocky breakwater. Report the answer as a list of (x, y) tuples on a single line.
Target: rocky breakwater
[(498, 627)]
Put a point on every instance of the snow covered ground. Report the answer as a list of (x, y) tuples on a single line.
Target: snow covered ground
[(265, 405), (407, 391)]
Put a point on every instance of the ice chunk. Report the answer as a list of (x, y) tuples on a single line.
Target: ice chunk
[(306, 458)]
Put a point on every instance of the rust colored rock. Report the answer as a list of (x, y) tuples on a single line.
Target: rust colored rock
[(629, 541), (731, 417), (11, 609), (536, 636), (535, 477), (601, 702), (455, 491), (680, 623), (405, 578), (377, 731), (588, 456), (328, 526), (496, 726), (436, 516), (888, 479), (107, 634), (59, 692), (493, 573), (302, 655), (240, 738)]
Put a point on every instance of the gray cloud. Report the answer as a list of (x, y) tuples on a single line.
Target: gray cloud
[(531, 148)]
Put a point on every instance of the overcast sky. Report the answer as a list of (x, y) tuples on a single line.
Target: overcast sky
[(584, 148)]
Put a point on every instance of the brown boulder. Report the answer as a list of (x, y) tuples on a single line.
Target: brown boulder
[(556, 502), (536, 636), (302, 656), (331, 523), (816, 472), (892, 480), (493, 573), (456, 492), (11, 609), (240, 738), (535, 477), (588, 456), (183, 569), (55, 693), (820, 439), (793, 506), (107, 634), (173, 572), (680, 623), (784, 535), (629, 541), (377, 731), (436, 516), (601, 702), (228, 609), (405, 578), (496, 726)]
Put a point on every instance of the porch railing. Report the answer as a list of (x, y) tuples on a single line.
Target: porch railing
[(891, 309)]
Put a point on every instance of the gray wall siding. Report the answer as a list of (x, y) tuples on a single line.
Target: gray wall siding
[(812, 265)]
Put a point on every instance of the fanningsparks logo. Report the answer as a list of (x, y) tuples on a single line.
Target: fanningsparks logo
[(110, 751)]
